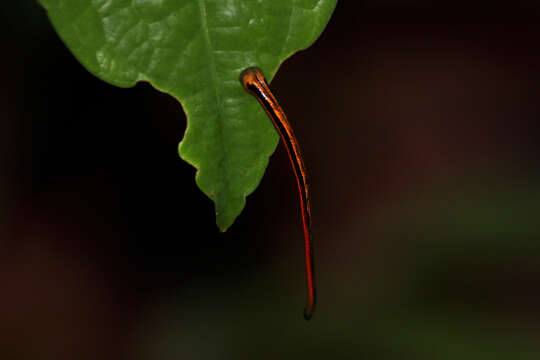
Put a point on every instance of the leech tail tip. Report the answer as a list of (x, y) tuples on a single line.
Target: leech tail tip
[(308, 313)]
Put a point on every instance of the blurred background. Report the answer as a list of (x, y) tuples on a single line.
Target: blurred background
[(424, 159)]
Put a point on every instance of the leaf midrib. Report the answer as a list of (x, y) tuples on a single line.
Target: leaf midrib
[(214, 80)]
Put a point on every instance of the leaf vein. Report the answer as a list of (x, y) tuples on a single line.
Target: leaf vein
[(214, 79)]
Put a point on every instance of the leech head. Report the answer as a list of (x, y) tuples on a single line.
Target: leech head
[(251, 76), (308, 313)]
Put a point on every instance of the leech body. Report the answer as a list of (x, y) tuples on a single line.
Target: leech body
[(254, 82)]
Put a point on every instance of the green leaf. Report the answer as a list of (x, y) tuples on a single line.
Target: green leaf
[(195, 51)]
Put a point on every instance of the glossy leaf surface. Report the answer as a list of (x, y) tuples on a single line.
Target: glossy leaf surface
[(195, 51)]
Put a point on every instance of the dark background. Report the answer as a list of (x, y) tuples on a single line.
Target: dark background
[(419, 124)]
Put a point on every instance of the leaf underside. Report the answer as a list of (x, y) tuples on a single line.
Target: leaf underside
[(195, 50)]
